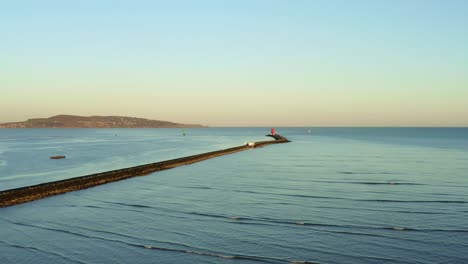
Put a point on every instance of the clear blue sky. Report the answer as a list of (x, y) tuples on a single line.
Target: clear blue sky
[(235, 63)]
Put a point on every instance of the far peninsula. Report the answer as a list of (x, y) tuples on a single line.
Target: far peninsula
[(73, 121)]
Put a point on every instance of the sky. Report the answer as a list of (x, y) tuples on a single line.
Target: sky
[(238, 63)]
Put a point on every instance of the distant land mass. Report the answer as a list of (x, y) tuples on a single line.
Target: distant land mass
[(72, 121)]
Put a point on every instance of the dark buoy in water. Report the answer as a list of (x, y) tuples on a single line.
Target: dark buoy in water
[(57, 157)]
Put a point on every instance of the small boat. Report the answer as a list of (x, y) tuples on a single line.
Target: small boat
[(57, 157)]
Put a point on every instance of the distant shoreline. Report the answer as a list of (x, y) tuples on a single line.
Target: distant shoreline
[(72, 121), (103, 127)]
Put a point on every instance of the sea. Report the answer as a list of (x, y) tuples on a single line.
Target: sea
[(331, 195)]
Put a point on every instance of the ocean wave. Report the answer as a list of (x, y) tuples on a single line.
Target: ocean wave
[(355, 227), (412, 201), (385, 183), (311, 224), (336, 228), (290, 195), (268, 221), (198, 187), (131, 205), (47, 252), (189, 250), (366, 172), (309, 166), (126, 235), (352, 199), (229, 256), (370, 182)]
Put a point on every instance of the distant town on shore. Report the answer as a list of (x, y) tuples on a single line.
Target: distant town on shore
[(73, 121)]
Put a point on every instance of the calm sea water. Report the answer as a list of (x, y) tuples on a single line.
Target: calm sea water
[(335, 195)]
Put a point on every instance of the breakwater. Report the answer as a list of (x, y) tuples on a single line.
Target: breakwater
[(43, 190)]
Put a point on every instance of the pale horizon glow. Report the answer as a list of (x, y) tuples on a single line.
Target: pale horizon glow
[(238, 63)]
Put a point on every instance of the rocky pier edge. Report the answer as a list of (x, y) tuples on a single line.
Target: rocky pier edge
[(34, 192)]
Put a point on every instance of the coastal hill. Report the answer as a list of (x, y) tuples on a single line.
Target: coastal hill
[(71, 121)]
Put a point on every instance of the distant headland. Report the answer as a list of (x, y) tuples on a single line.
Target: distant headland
[(72, 121)]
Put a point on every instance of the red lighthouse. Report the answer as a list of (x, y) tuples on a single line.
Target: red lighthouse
[(272, 131)]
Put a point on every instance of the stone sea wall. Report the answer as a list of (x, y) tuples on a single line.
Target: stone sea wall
[(39, 191)]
